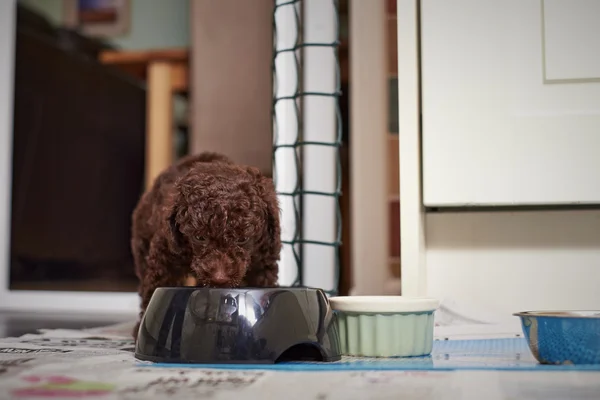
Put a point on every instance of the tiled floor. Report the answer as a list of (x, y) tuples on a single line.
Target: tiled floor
[(17, 324)]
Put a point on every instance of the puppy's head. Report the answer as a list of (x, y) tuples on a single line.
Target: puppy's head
[(223, 215)]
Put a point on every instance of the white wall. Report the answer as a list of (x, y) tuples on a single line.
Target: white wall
[(514, 261), (496, 262)]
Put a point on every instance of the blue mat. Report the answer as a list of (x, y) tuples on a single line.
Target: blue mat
[(494, 354)]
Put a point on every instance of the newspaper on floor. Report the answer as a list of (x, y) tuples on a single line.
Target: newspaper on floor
[(83, 364), (99, 363), (456, 321), (114, 377)]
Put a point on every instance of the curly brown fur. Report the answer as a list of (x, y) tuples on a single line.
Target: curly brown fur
[(210, 219)]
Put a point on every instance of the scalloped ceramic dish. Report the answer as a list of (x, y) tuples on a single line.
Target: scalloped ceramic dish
[(385, 326), (562, 337)]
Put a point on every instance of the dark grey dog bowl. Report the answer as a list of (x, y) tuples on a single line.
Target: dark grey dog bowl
[(247, 325)]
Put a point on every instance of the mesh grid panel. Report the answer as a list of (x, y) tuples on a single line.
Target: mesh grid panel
[(299, 144)]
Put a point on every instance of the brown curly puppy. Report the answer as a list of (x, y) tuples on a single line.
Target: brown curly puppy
[(207, 219)]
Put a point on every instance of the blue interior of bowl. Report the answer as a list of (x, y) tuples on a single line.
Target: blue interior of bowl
[(563, 337)]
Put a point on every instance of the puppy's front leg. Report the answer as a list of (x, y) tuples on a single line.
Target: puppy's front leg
[(162, 270)]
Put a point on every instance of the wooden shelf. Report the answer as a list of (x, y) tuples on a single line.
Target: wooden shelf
[(394, 229), (343, 60), (392, 44), (393, 171), (135, 62), (393, 166)]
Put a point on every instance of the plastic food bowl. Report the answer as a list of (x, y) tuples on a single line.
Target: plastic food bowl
[(249, 325), (385, 326), (562, 337)]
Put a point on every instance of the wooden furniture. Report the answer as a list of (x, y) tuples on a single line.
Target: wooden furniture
[(166, 73), (393, 162), (77, 166)]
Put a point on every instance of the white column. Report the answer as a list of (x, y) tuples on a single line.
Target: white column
[(285, 131), (7, 61), (320, 75), (412, 214), (368, 130)]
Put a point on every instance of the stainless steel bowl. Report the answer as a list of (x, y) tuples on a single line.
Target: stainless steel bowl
[(562, 337)]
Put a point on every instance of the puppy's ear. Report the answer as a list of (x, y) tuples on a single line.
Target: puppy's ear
[(176, 237), (173, 234), (272, 247)]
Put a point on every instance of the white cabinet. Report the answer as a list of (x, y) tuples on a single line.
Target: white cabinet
[(510, 102)]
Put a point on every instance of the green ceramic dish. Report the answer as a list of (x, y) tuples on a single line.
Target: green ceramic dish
[(385, 326)]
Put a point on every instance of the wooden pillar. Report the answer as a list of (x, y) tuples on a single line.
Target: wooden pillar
[(231, 79), (368, 123), (159, 139)]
